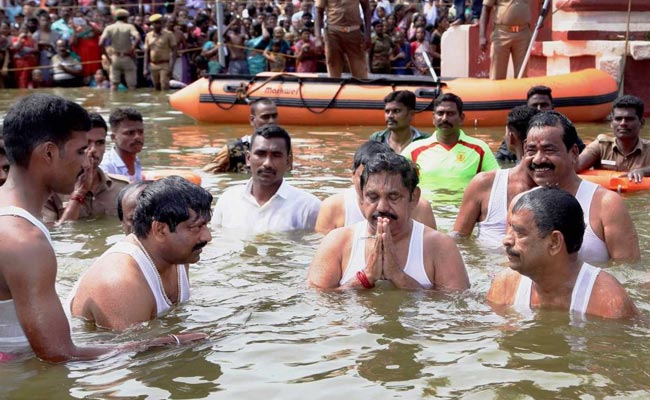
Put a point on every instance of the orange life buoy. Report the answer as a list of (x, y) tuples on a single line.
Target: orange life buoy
[(153, 175), (614, 180)]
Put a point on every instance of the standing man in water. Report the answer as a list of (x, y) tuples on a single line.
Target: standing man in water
[(95, 192), (449, 157), (267, 202), (45, 138), (232, 156), (127, 133), (146, 274), (342, 209), (388, 244), (399, 109), (545, 231)]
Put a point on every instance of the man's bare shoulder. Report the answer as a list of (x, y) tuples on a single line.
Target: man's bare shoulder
[(112, 279), (609, 299), (437, 240), (18, 235), (331, 214), (503, 287)]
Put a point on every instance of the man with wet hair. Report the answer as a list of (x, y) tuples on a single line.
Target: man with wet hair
[(232, 156), (545, 232), (388, 245), (485, 202), (127, 133), (45, 140), (342, 209), (146, 274), (95, 192), (399, 109), (127, 199), (267, 202), (625, 151), (550, 156)]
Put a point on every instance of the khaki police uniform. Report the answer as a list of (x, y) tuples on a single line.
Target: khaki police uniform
[(510, 35), (605, 154)]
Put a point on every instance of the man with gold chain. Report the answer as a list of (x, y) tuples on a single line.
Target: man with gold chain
[(146, 274)]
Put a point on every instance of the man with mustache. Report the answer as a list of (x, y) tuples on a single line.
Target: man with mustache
[(342, 209), (146, 274), (127, 133), (266, 202), (549, 155), (399, 109), (625, 151), (232, 156), (545, 232), (95, 192), (388, 245), (486, 199), (449, 158)]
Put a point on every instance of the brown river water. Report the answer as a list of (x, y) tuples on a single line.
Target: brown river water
[(271, 335)]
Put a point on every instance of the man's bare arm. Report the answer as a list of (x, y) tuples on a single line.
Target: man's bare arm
[(620, 234), (331, 214), (472, 204), (423, 213), (30, 271), (326, 266), (449, 269)]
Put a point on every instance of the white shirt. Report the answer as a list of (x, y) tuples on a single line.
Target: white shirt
[(113, 164), (289, 209)]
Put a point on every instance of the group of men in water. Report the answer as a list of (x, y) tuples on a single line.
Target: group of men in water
[(552, 224)]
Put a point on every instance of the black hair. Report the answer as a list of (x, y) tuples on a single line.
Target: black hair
[(629, 101), (368, 150), (439, 20), (450, 97), (391, 163), (272, 131), (40, 118), (169, 201), (405, 97), (541, 90), (97, 121), (257, 102), (518, 120), (554, 118), (555, 210), (123, 114)]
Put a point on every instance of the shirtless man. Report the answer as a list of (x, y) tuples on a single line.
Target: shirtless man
[(485, 202), (342, 209), (549, 158), (236, 43), (545, 231), (45, 138), (379, 247), (146, 274)]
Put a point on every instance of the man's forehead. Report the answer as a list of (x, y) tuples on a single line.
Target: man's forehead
[(273, 143), (539, 98), (544, 134), (447, 106), (624, 111), (385, 180)]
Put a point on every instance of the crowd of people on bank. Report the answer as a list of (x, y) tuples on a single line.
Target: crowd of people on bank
[(65, 43), (552, 224)]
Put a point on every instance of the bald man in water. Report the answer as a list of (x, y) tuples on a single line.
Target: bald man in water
[(545, 231)]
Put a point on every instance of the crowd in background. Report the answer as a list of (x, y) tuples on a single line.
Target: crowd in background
[(56, 42)]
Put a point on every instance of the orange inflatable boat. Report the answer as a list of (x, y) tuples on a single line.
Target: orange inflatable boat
[(613, 180), (153, 175), (314, 99)]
